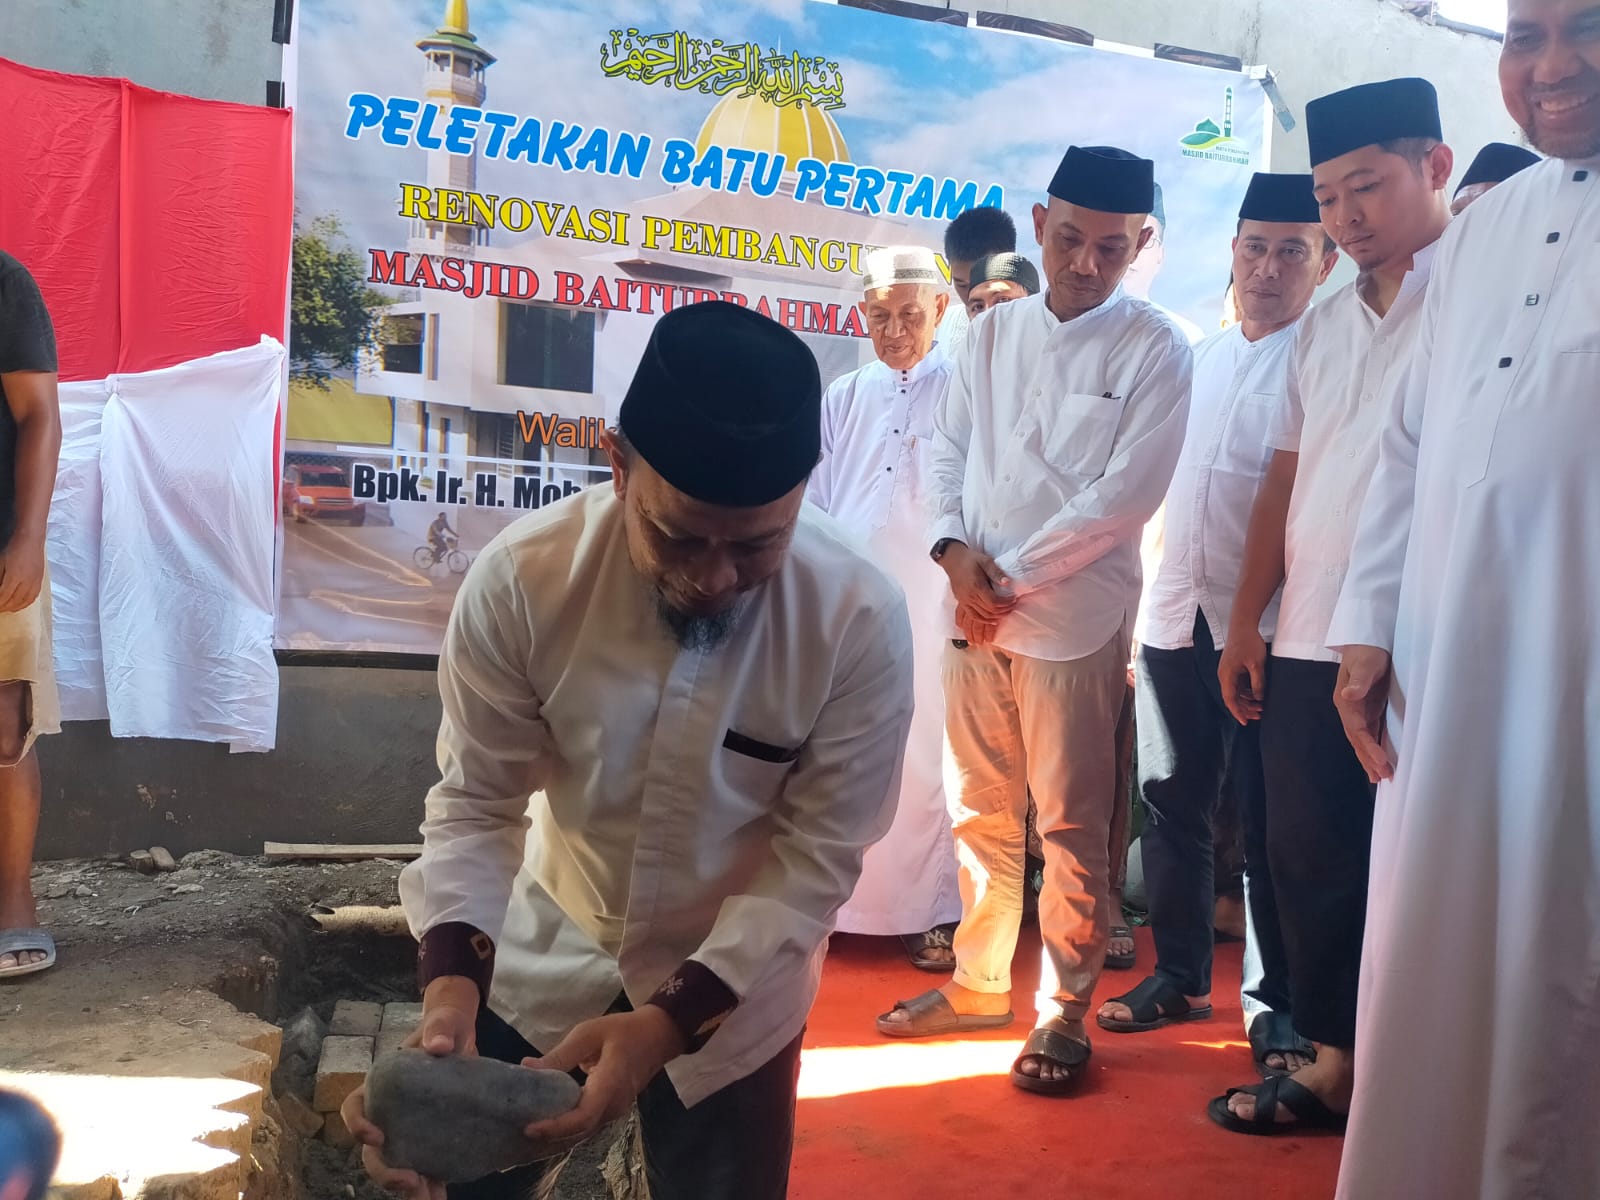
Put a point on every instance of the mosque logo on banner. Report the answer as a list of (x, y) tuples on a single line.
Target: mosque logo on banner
[(1215, 143)]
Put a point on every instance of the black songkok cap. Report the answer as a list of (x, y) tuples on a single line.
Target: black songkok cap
[(1370, 113), (1284, 198), (1105, 179), (725, 405), (1012, 268), (1496, 163)]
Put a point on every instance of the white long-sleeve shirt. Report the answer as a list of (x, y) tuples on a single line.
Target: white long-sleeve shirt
[(594, 819), (1238, 387), (877, 430), (1346, 364), (1055, 444)]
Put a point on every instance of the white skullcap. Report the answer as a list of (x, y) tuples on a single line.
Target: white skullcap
[(900, 264)]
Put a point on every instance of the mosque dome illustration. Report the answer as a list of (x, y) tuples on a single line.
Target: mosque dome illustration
[(795, 131)]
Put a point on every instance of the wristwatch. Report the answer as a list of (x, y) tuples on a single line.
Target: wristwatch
[(940, 547)]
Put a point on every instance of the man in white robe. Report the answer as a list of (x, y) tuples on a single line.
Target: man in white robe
[(1493, 165), (1477, 565), (1380, 171), (674, 712), (877, 434)]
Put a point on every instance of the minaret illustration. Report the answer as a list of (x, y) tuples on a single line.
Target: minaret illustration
[(454, 75)]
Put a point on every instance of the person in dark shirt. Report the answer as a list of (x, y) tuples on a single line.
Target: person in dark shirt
[(30, 442)]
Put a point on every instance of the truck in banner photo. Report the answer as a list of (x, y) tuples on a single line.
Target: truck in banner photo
[(493, 207)]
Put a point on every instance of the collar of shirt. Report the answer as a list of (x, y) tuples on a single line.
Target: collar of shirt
[(934, 360), (1053, 322)]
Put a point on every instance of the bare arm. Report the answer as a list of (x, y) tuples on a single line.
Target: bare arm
[(31, 396)]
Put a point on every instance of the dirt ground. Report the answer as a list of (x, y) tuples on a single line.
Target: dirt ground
[(269, 938)]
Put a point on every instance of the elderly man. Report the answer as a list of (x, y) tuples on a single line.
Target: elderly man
[(1476, 566), (1495, 163), (1000, 279), (1188, 743), (696, 692), (1380, 170), (1053, 447), (877, 429)]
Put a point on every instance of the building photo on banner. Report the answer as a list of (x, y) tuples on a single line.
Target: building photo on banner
[(493, 207)]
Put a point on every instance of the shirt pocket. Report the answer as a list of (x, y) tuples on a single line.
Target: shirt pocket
[(1078, 432), (1246, 435), (751, 771)]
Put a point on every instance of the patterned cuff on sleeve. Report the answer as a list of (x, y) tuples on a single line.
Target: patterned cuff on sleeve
[(696, 1000), (456, 948)]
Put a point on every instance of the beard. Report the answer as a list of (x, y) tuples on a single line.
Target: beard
[(696, 631)]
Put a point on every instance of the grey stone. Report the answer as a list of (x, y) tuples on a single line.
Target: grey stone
[(163, 858), (457, 1119), (356, 1018), (143, 862), (303, 1034)]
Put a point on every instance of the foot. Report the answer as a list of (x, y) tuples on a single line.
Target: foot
[(1116, 1010), (1290, 1062), (19, 913), (1228, 918), (1120, 944), (1328, 1077), (965, 1001), (936, 948), (1044, 1069)]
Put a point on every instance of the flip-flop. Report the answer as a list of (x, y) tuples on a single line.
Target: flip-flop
[(1273, 1033), (1155, 1003), (1309, 1112), (1055, 1047), (931, 1015), (918, 944), (15, 941), (1121, 962)]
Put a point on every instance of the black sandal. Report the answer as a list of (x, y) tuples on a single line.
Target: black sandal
[(918, 945), (1273, 1033), (1309, 1112), (1052, 1046), (1155, 1003)]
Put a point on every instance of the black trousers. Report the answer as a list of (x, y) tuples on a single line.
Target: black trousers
[(1319, 842), (734, 1145), (1190, 747)]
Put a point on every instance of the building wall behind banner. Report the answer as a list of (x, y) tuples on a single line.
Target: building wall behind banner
[(212, 49)]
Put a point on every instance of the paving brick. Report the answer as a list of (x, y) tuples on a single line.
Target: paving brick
[(142, 862), (299, 1115), (342, 1069), (335, 1133), (399, 1022), (356, 1018)]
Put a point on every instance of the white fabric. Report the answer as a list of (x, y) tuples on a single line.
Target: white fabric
[(1238, 387), (1345, 366), (189, 517), (1191, 332), (1478, 562), (877, 430), (953, 329), (651, 841), (73, 549), (1054, 445)]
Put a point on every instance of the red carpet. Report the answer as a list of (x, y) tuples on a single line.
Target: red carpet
[(885, 1120)]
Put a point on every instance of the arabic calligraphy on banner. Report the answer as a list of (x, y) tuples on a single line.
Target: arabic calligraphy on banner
[(716, 67)]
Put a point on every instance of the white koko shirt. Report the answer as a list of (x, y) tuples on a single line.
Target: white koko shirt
[(592, 817), (1238, 388), (1054, 446), (1345, 367)]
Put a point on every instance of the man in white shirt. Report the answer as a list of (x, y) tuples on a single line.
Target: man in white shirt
[(1477, 565), (1189, 744), (1380, 171), (1493, 165), (877, 432), (1141, 277), (974, 234), (696, 691), (1056, 440)]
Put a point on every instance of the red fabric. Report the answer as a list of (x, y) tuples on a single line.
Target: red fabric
[(158, 226)]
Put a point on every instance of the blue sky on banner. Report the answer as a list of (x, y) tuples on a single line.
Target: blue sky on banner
[(929, 99)]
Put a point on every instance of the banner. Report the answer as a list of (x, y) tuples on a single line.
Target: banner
[(493, 208)]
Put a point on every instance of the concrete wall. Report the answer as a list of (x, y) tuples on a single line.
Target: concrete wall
[(216, 49), (355, 746)]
